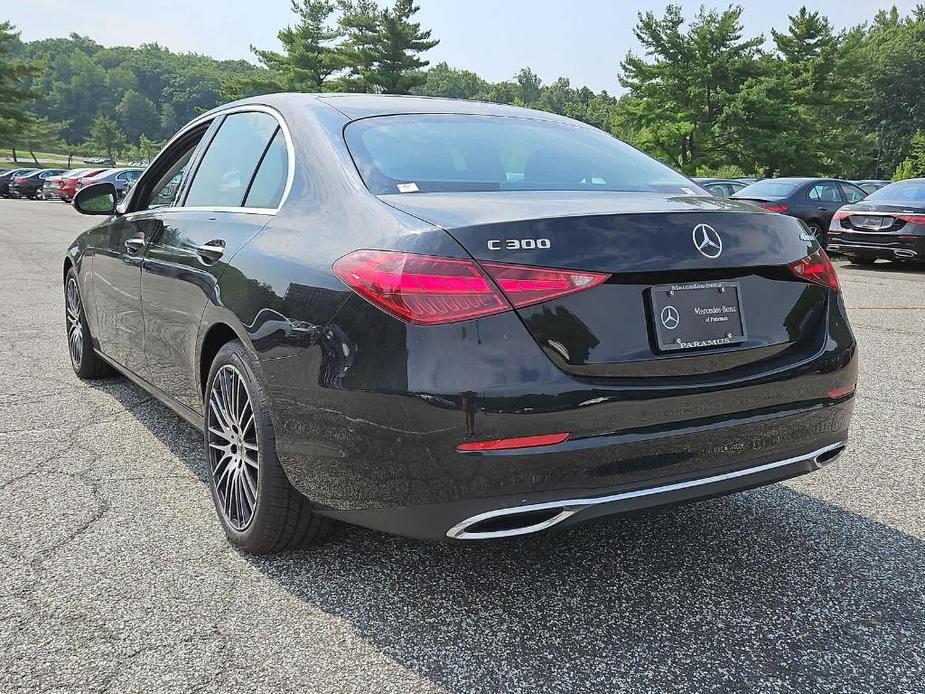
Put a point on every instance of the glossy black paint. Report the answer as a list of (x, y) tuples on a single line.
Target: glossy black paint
[(6, 178), (816, 213), (368, 411), (901, 240)]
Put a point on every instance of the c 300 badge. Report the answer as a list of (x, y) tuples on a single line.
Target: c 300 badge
[(518, 244)]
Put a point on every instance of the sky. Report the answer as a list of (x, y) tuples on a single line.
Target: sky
[(584, 40)]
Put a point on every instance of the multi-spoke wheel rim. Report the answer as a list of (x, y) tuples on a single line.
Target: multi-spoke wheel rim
[(233, 451), (75, 330)]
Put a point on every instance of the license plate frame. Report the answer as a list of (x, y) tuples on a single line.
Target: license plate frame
[(697, 315), (871, 222)]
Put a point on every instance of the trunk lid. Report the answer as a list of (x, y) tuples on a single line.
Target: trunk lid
[(648, 244), (878, 217)]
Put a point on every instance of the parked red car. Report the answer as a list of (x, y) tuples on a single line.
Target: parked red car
[(67, 185)]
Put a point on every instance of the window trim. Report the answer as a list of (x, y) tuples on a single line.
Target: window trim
[(290, 151)]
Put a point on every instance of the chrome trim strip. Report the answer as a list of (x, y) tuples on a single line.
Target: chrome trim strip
[(570, 507)]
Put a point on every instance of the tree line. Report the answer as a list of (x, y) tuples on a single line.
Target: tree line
[(702, 96)]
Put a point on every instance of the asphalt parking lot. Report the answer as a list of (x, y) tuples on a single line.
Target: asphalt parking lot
[(117, 576)]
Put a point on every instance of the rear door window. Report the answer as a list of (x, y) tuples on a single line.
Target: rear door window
[(852, 193), (228, 166), (825, 192)]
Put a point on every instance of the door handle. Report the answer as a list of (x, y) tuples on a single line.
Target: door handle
[(822, 209), (135, 243), (210, 252)]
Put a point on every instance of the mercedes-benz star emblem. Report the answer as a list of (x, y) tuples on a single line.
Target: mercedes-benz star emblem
[(707, 241), (670, 317)]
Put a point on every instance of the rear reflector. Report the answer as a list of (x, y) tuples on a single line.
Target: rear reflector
[(816, 268), (428, 290), (517, 442), (837, 393), (775, 207)]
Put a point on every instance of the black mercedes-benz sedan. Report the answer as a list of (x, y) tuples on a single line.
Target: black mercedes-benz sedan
[(456, 320), (814, 200), (888, 224)]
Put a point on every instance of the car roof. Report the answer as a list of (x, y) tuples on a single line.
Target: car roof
[(803, 179), (355, 106)]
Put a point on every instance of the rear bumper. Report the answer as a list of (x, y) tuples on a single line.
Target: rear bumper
[(368, 429), (663, 469), (22, 192), (531, 518), (888, 246)]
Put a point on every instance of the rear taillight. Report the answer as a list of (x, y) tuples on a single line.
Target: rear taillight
[(778, 207), (816, 268), (428, 290), (911, 218), (524, 285), (840, 215), (19, 180)]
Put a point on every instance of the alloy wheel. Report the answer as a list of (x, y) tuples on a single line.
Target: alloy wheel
[(233, 448), (75, 331)]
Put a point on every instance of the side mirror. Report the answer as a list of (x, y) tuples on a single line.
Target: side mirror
[(96, 199)]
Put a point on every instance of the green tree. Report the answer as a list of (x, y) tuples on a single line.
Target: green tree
[(398, 69), (451, 83), (529, 87), (40, 134), (309, 57), (105, 136), (168, 122), (889, 61), (682, 90), (381, 50), (357, 53), (14, 84), (913, 166), (138, 116), (818, 85)]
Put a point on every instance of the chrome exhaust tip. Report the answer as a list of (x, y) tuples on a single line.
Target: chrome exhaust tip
[(509, 522), (904, 253), (828, 456)]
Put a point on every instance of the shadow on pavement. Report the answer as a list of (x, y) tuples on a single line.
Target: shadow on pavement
[(768, 590)]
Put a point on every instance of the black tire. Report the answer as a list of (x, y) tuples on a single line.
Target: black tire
[(279, 517), (858, 260), (86, 363)]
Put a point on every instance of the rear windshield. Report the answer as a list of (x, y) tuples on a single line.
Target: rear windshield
[(767, 189), (904, 191), (437, 152)]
